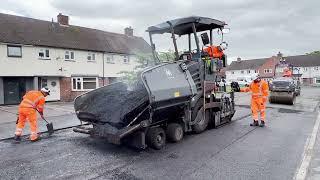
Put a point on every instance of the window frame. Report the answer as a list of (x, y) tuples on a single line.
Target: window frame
[(69, 54), (44, 51), (111, 59), (92, 56), (125, 57), (19, 56), (242, 71), (81, 81)]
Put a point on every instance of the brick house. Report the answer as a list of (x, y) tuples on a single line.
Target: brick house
[(68, 59), (306, 67), (266, 70)]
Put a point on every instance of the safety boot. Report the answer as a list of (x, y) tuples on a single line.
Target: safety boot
[(255, 123), (36, 139), (262, 124), (17, 138)]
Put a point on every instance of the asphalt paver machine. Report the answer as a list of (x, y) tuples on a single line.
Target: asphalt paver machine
[(284, 89), (168, 99)]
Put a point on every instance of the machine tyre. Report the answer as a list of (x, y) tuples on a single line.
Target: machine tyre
[(200, 126), (156, 138), (174, 132), (293, 100)]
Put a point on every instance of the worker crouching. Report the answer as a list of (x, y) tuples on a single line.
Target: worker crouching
[(32, 102), (260, 91)]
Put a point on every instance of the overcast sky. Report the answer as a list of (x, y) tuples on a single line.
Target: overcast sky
[(259, 28)]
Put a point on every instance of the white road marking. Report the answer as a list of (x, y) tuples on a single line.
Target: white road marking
[(308, 151)]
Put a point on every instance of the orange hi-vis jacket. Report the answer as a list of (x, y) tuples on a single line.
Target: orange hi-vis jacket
[(33, 100), (214, 51), (259, 90)]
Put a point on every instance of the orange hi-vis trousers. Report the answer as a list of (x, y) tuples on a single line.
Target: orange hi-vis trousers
[(258, 105), (27, 114)]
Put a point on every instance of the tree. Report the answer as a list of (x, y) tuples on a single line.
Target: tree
[(166, 56), (143, 61), (313, 53)]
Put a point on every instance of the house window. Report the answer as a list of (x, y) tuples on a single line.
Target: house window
[(44, 54), (256, 71), (267, 70), (248, 71), (126, 59), (316, 68), (318, 80), (109, 59), (84, 83), (91, 57), (14, 51), (305, 69), (232, 72), (69, 56), (242, 72)]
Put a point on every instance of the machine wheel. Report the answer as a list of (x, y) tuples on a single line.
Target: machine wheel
[(200, 126), (293, 100), (156, 138), (270, 100), (174, 132)]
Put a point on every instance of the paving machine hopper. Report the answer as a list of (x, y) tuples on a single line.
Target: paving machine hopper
[(166, 100), (285, 87)]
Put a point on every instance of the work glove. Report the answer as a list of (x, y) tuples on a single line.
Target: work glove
[(41, 114)]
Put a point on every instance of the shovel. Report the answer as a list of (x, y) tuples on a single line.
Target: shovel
[(49, 125)]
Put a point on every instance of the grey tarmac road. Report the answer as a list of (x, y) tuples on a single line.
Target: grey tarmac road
[(234, 151)]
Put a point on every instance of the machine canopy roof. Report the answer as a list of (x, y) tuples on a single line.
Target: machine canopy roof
[(183, 26)]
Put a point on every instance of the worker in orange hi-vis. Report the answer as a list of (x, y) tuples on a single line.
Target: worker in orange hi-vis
[(216, 51), (260, 91), (32, 102), (287, 72)]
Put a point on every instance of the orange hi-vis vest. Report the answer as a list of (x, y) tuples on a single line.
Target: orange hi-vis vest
[(259, 90), (214, 52), (34, 100)]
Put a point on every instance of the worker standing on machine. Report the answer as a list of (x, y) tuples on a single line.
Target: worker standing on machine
[(260, 91), (216, 51), (32, 102), (287, 72)]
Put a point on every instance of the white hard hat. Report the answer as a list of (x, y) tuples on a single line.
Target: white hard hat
[(224, 45), (255, 76), (45, 90)]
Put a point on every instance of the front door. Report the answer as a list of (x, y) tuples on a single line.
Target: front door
[(53, 84), (14, 89)]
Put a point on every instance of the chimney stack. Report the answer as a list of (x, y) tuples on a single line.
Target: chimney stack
[(238, 59), (63, 19), (128, 31)]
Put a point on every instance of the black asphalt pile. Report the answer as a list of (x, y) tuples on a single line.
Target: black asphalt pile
[(117, 104)]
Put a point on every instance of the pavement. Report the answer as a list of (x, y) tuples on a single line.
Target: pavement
[(61, 114), (233, 151)]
